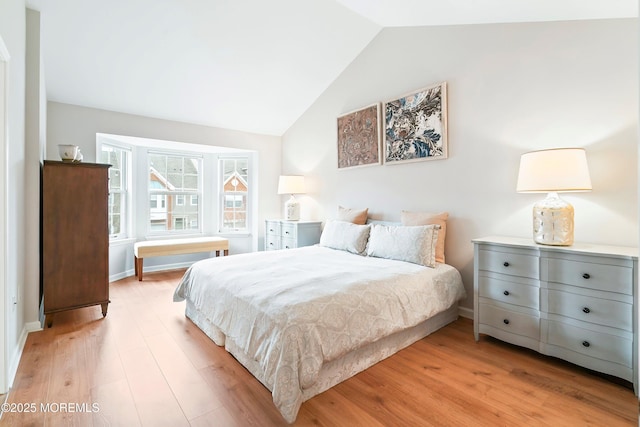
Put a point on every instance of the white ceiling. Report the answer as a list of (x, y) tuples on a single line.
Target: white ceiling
[(251, 65)]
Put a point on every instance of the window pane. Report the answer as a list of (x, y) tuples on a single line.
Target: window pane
[(117, 158), (235, 188), (171, 180)]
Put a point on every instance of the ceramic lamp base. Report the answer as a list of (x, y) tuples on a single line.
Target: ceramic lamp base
[(553, 221), (292, 209)]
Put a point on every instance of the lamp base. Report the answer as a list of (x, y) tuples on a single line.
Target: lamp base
[(553, 221), (292, 209)]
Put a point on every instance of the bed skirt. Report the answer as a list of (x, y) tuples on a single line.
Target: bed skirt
[(342, 368)]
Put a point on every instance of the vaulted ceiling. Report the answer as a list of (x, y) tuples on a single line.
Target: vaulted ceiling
[(251, 65)]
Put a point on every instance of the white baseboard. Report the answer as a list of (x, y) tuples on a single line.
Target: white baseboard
[(465, 312), (17, 354)]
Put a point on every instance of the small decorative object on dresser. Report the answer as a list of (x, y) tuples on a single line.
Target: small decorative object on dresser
[(283, 234), (576, 303), (75, 237)]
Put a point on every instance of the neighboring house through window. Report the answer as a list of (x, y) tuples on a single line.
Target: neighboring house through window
[(173, 178), (234, 194)]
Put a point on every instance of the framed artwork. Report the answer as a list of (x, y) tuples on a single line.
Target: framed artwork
[(359, 138), (415, 126)]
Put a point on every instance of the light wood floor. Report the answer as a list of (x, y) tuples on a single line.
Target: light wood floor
[(146, 364)]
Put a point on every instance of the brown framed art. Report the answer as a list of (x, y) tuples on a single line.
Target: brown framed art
[(415, 126), (359, 138)]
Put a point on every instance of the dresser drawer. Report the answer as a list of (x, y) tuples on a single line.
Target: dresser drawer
[(508, 263), (509, 292), (603, 277), (271, 242), (599, 345), (600, 311), (288, 231), (510, 321), (288, 243), (272, 228)]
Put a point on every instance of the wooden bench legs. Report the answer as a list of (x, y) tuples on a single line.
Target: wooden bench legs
[(137, 263)]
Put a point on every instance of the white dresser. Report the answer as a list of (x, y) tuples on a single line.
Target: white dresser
[(282, 234), (574, 302)]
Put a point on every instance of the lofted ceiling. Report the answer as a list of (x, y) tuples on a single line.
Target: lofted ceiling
[(250, 65)]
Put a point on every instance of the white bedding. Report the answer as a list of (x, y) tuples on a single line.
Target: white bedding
[(293, 310)]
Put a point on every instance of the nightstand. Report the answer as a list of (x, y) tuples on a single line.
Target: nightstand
[(283, 234), (571, 302)]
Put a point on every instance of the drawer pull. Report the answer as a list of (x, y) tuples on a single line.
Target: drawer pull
[(271, 230), (286, 232), (586, 310), (586, 343), (506, 321), (506, 264), (586, 276), (506, 293)]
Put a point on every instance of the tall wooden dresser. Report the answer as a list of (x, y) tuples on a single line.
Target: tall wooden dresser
[(75, 237)]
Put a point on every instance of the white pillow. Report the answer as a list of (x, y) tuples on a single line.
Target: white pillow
[(345, 236), (416, 244)]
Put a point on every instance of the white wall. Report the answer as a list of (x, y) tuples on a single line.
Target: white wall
[(12, 31), (70, 124), (35, 137), (512, 88)]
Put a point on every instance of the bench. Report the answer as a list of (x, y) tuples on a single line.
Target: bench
[(151, 248)]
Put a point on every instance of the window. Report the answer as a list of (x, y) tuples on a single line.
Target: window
[(119, 159), (173, 178), (234, 190)]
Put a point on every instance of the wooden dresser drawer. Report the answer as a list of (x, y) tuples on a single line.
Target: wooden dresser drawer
[(509, 292), (510, 321), (509, 263), (599, 311), (603, 277), (594, 344)]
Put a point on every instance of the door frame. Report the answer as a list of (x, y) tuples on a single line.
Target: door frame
[(5, 302)]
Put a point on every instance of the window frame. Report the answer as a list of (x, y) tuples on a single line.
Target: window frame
[(124, 191)]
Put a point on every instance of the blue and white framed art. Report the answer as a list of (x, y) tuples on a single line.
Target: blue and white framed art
[(415, 126)]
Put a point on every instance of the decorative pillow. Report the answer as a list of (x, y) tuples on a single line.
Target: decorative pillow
[(353, 215), (412, 244), (426, 218), (345, 236)]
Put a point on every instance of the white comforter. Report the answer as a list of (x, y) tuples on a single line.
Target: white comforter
[(292, 310)]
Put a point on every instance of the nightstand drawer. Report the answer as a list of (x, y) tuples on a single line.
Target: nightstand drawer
[(510, 321), (593, 310), (271, 242), (287, 243), (288, 231), (599, 345), (603, 277), (509, 292), (509, 263), (272, 228)]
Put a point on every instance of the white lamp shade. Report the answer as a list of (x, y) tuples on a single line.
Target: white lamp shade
[(556, 170), (291, 184)]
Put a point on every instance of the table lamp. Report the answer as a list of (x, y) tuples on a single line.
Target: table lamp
[(291, 184), (553, 171)]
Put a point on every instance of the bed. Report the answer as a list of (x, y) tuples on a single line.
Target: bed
[(302, 320)]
